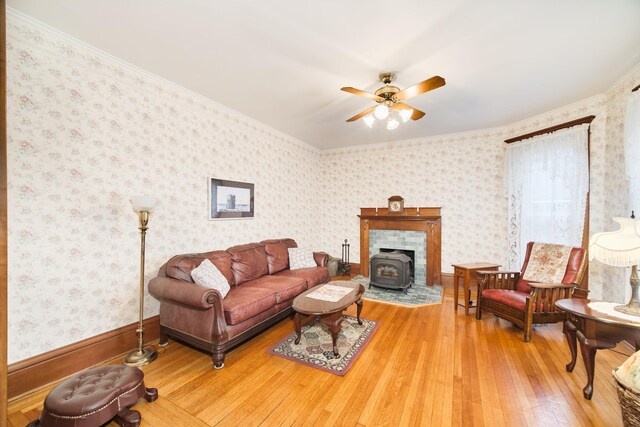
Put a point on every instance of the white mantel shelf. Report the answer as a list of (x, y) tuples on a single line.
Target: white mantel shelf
[(427, 219)]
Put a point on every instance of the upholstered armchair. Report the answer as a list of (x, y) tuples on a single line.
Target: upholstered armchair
[(550, 272)]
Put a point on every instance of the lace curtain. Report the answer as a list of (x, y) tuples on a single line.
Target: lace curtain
[(632, 150), (547, 184)]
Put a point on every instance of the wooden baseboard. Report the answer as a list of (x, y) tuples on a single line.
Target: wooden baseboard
[(52, 366), (447, 280), (355, 269)]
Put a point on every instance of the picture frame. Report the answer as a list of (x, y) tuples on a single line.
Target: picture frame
[(230, 199)]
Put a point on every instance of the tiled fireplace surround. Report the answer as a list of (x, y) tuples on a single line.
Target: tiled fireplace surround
[(418, 229), (405, 240)]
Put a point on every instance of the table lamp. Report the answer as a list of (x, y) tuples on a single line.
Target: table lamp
[(621, 248)]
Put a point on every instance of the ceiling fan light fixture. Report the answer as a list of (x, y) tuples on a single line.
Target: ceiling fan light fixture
[(405, 115), (391, 98), (381, 112), (368, 120)]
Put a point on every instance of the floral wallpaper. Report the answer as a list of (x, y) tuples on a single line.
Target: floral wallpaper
[(615, 281), (461, 173), (87, 131)]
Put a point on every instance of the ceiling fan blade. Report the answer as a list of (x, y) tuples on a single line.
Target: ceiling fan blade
[(417, 114), (362, 114), (359, 92), (420, 88)]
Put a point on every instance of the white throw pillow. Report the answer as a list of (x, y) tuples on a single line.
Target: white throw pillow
[(301, 258), (207, 275)]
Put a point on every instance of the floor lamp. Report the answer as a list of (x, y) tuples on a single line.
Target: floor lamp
[(142, 205)]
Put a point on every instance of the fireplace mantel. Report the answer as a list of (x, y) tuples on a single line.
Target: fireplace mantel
[(427, 219)]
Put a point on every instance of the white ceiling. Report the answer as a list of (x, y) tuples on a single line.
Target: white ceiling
[(282, 62)]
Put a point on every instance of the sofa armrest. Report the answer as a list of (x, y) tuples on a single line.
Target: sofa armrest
[(321, 258), (185, 293)]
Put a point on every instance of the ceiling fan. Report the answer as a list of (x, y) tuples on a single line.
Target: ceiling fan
[(390, 98)]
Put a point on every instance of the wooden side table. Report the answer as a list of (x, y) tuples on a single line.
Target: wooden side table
[(468, 272), (594, 330)]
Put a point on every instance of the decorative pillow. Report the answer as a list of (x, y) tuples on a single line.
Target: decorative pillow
[(301, 258), (628, 374), (207, 275), (547, 263)]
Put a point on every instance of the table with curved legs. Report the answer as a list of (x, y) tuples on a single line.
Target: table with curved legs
[(594, 330), (329, 312)]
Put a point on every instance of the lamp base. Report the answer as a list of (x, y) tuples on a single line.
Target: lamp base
[(632, 309), (633, 306), (140, 357)]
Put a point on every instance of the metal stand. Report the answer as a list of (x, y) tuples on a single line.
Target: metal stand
[(632, 308), (141, 356), (345, 267)]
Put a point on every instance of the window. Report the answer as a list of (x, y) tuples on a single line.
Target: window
[(547, 185)]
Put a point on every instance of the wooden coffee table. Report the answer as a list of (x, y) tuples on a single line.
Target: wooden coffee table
[(329, 312)]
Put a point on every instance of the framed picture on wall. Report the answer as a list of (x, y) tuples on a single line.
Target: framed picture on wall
[(230, 199)]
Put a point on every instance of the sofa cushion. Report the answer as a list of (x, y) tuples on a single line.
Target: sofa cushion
[(242, 303), (207, 275), (511, 298), (277, 253), (313, 276), (284, 288), (180, 266), (301, 258), (248, 262)]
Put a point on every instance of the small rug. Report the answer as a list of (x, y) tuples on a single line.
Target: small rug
[(316, 349), (415, 296)]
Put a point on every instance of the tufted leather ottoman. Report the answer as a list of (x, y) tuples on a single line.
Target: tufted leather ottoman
[(95, 396)]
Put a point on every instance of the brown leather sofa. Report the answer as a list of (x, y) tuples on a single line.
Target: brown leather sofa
[(262, 291)]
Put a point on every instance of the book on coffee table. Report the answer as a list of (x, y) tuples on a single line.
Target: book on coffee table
[(329, 293)]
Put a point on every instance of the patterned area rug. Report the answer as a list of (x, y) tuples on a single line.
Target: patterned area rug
[(415, 296), (316, 349)]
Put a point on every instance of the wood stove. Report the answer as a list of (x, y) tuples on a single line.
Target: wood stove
[(391, 270)]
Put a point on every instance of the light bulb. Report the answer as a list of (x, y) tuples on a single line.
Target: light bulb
[(406, 114), (392, 124), (368, 119), (381, 112)]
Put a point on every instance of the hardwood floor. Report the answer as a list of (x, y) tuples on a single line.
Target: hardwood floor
[(424, 366)]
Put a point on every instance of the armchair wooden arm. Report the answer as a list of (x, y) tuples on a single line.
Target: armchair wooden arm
[(497, 280), (541, 304), (543, 296)]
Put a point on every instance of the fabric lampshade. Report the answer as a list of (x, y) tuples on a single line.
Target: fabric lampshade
[(620, 248)]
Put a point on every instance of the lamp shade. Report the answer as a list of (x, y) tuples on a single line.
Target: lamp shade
[(381, 112), (143, 203), (369, 119), (406, 114), (620, 248)]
